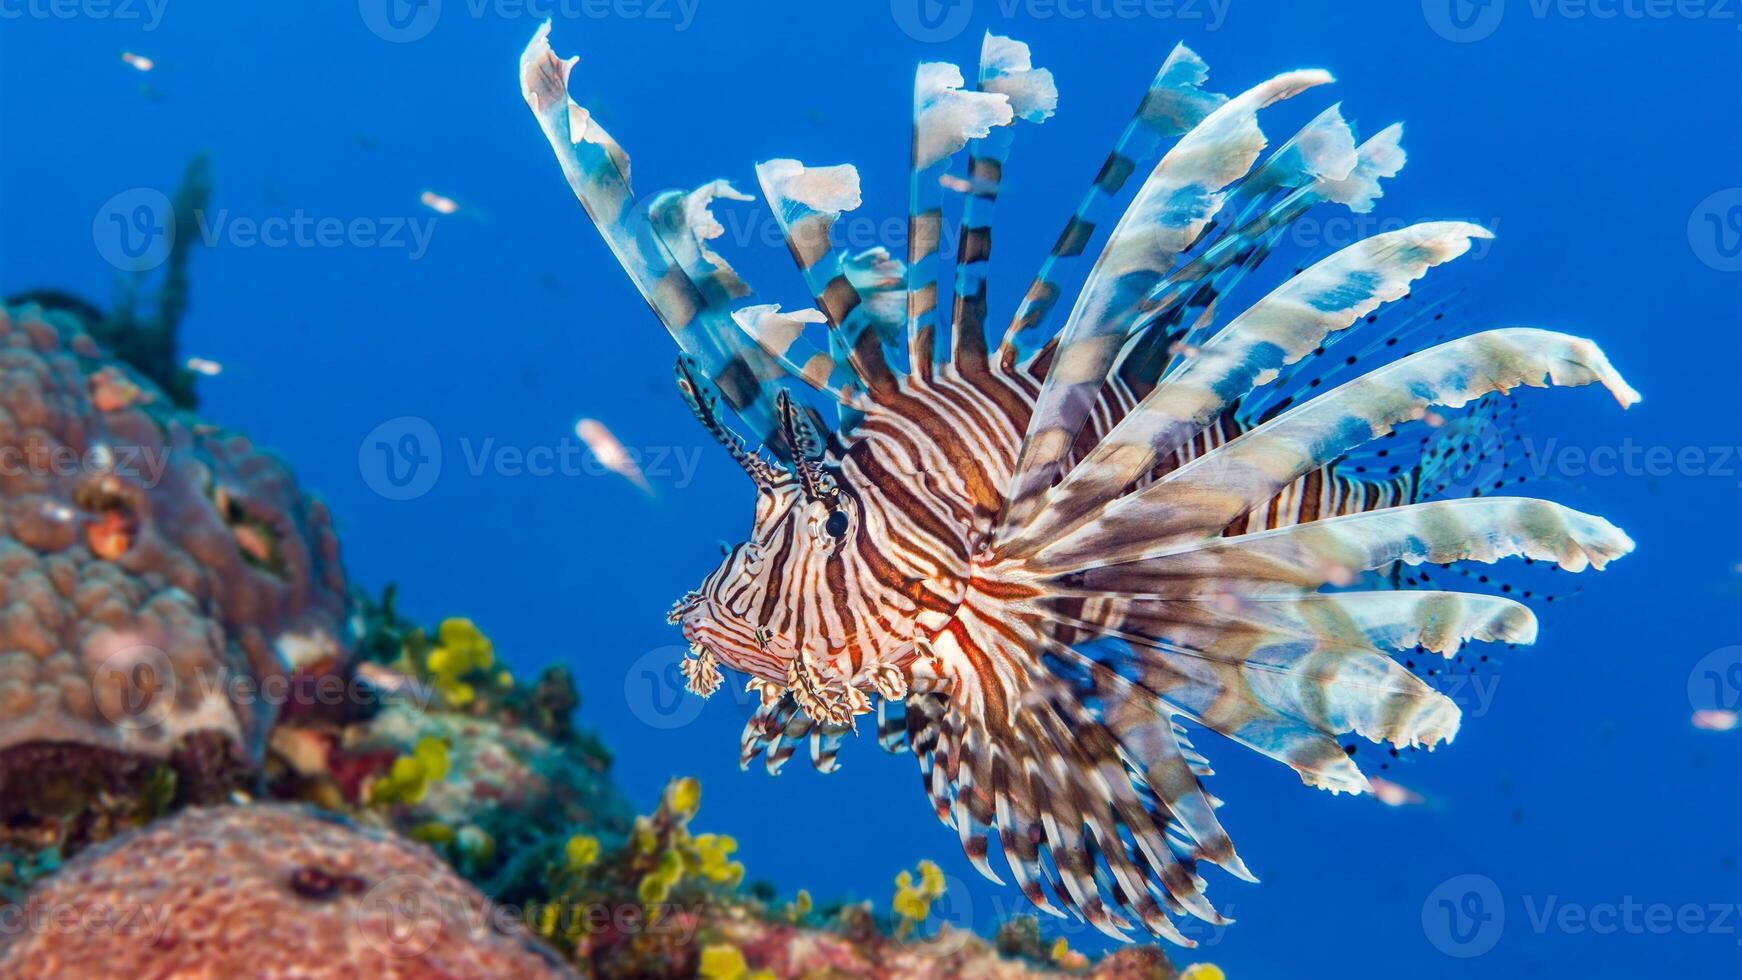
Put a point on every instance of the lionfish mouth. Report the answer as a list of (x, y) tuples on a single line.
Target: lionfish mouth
[(716, 636), (706, 630), (681, 609)]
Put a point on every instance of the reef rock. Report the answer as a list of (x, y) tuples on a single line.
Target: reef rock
[(786, 951), (162, 585), (498, 767), (264, 890)]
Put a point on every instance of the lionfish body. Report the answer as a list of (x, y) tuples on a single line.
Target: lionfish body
[(1038, 556)]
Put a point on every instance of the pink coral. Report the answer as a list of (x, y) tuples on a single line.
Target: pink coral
[(160, 579), (795, 951), (263, 890)]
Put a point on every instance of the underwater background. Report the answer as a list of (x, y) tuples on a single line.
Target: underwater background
[(1602, 142)]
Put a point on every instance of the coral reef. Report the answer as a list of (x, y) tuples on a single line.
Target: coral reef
[(163, 586), (505, 791), (497, 778), (264, 890), (666, 903), (785, 951)]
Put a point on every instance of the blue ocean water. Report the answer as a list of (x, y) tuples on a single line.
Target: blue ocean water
[(1580, 825)]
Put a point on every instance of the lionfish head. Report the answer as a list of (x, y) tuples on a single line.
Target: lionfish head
[(749, 613)]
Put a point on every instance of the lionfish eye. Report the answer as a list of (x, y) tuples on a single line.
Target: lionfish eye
[(837, 524)]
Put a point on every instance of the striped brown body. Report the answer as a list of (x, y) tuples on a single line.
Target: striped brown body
[(913, 594)]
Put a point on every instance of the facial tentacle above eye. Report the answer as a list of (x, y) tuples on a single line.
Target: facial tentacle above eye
[(813, 477), (700, 396)]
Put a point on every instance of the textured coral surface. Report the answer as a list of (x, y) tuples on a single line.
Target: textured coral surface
[(263, 891), (499, 767), (153, 568), (793, 952)]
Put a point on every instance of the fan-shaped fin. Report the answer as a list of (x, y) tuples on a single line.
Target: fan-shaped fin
[(1304, 557), (1175, 103), (781, 335), (946, 116), (1440, 622), (1202, 497), (1172, 209), (1006, 68), (807, 201), (1184, 305), (663, 246), (1330, 687), (1279, 330), (777, 728)]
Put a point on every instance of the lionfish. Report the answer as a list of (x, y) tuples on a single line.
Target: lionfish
[(1039, 559)]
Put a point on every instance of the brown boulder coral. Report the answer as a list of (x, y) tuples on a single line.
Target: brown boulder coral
[(162, 582), (263, 890)]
